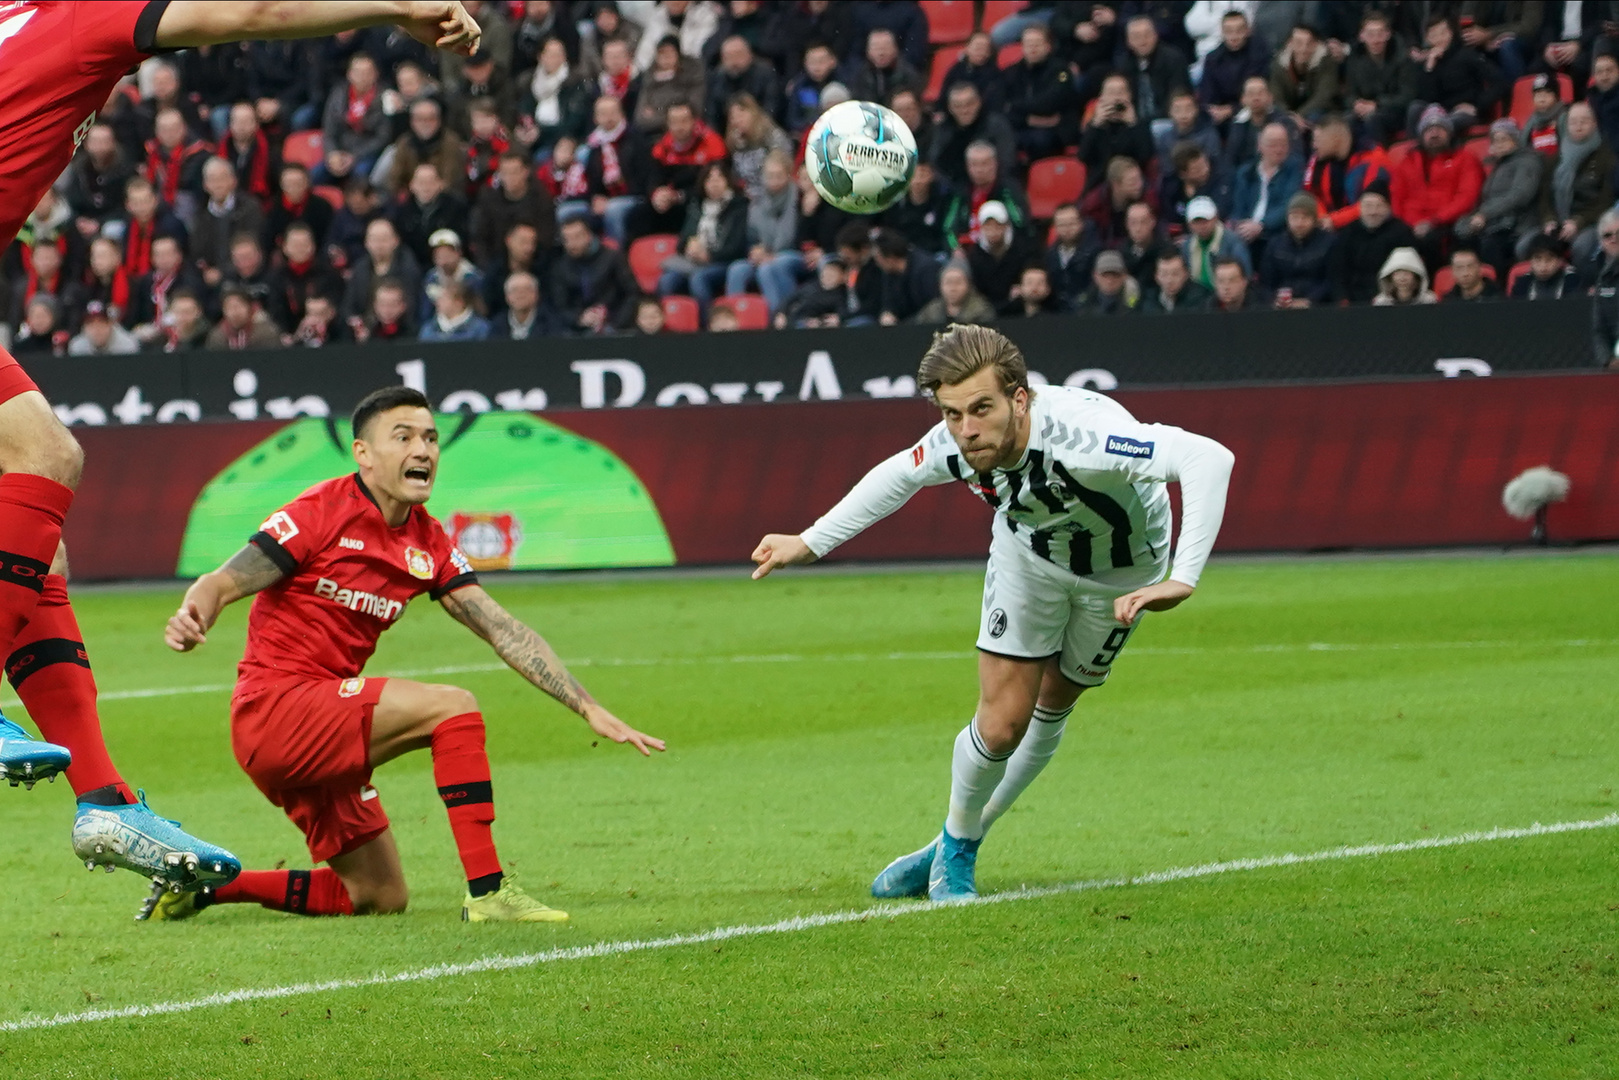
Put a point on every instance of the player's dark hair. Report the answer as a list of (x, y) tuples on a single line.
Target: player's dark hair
[(960, 351), (380, 401)]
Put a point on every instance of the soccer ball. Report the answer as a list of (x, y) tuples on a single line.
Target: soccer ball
[(860, 157)]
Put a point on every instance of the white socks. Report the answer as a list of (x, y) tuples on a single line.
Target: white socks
[(974, 773), (1030, 757)]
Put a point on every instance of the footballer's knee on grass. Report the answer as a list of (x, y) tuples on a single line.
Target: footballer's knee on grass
[(1007, 690), (373, 876), (33, 440), (407, 713)]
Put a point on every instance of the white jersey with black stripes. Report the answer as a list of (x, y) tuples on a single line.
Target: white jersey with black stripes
[(1087, 494)]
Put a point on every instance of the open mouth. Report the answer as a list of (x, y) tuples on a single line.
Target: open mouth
[(421, 474)]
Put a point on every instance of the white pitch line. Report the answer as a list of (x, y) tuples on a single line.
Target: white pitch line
[(795, 924), (882, 657)]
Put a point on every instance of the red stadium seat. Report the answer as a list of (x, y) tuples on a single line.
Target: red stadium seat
[(996, 10), (1398, 151), (1009, 55), (752, 312), (647, 255), (304, 148), (681, 315), (943, 60), (1523, 95), (949, 21), (1052, 182), (1518, 270), (1444, 280), (333, 195)]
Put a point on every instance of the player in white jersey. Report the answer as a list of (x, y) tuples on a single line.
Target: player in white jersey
[(1079, 550)]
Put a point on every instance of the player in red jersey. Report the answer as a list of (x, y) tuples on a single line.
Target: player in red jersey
[(333, 570), (59, 62)]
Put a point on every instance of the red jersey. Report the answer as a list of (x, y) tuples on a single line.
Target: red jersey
[(59, 61), (349, 576)]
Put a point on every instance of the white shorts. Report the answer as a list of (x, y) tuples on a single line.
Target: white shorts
[(1034, 609)]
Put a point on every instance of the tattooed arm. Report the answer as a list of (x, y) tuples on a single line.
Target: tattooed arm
[(247, 572), (527, 653)]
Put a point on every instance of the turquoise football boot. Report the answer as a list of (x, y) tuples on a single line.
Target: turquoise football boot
[(951, 878), (134, 838), (906, 875), (25, 759)]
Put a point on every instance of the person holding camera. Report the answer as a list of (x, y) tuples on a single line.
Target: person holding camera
[(1114, 130)]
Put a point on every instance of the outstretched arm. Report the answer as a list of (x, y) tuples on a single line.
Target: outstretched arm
[(1203, 468), (527, 653), (442, 24), (879, 493), (248, 571)]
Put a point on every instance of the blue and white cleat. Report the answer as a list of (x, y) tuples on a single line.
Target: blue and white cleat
[(25, 759), (906, 875), (951, 879), (134, 838)]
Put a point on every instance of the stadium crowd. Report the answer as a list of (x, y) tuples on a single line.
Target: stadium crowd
[(636, 167)]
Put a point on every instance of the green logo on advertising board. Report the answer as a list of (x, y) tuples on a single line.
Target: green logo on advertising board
[(514, 491)]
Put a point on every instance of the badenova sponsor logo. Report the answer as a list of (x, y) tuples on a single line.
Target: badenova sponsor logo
[(1123, 447)]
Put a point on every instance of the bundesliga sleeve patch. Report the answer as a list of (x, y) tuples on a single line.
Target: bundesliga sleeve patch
[(1123, 447), (918, 455), (280, 527)]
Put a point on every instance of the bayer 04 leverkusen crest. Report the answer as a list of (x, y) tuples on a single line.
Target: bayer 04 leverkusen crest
[(489, 541)]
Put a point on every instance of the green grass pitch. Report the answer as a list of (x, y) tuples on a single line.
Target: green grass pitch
[(1459, 694)]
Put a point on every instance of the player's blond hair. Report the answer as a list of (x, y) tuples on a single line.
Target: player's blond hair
[(960, 351)]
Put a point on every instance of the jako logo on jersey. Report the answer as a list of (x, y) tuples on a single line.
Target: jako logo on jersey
[(350, 687), (997, 623), (419, 563), (369, 603), (352, 545), (1118, 444), (280, 527)]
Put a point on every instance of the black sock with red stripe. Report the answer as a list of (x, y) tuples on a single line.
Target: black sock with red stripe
[(50, 671), (461, 770)]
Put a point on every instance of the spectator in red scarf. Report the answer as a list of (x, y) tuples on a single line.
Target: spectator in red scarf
[(554, 172), (153, 294), (174, 162), (678, 160), (388, 318), (617, 72), (303, 274), (248, 149), (145, 221), (105, 282), (167, 93), (42, 276), (354, 127), (489, 141), (298, 203), (608, 178)]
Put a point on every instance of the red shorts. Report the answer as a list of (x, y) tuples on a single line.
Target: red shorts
[(13, 379), (306, 743)]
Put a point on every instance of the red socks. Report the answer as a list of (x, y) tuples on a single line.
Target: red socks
[(302, 892), (51, 673), (461, 770), (32, 510)]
